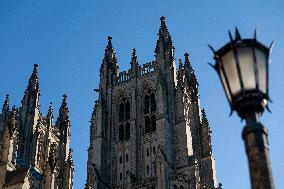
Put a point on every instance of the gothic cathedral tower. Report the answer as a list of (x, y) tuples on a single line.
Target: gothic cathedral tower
[(34, 152), (147, 129)]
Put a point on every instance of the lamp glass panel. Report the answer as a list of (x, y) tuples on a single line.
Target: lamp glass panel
[(245, 55), (262, 62), (224, 82), (231, 72)]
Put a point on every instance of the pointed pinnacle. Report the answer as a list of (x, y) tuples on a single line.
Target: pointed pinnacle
[(64, 97), (50, 110), (35, 72), (6, 104), (162, 19), (238, 35), (63, 113), (134, 56), (187, 62), (163, 27), (134, 52), (34, 80), (186, 56), (180, 64), (64, 101), (109, 44), (109, 39)]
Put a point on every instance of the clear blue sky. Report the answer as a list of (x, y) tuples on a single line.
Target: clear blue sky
[(67, 40)]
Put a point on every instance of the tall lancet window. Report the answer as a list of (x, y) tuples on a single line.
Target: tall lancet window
[(123, 121), (150, 107)]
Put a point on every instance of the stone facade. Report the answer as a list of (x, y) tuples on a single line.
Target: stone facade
[(35, 153), (147, 128)]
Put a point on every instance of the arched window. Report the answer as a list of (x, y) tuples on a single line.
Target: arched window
[(181, 187), (150, 107), (121, 112), (123, 119), (153, 103), (127, 131), (175, 186), (121, 132), (127, 110), (147, 124), (153, 123), (146, 104)]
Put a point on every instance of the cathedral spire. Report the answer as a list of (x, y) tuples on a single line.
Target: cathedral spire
[(205, 136), (163, 31), (164, 45), (109, 67), (110, 57), (109, 48), (34, 79), (134, 64), (32, 92)]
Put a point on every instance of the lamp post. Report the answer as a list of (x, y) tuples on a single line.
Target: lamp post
[(242, 65)]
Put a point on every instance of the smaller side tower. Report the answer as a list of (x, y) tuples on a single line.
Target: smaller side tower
[(65, 163), (34, 153), (207, 161)]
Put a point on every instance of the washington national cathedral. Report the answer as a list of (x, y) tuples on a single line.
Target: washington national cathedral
[(147, 130)]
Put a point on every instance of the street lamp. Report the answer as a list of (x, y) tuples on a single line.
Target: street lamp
[(242, 65)]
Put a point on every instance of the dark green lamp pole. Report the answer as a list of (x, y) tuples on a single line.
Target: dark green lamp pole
[(242, 65)]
